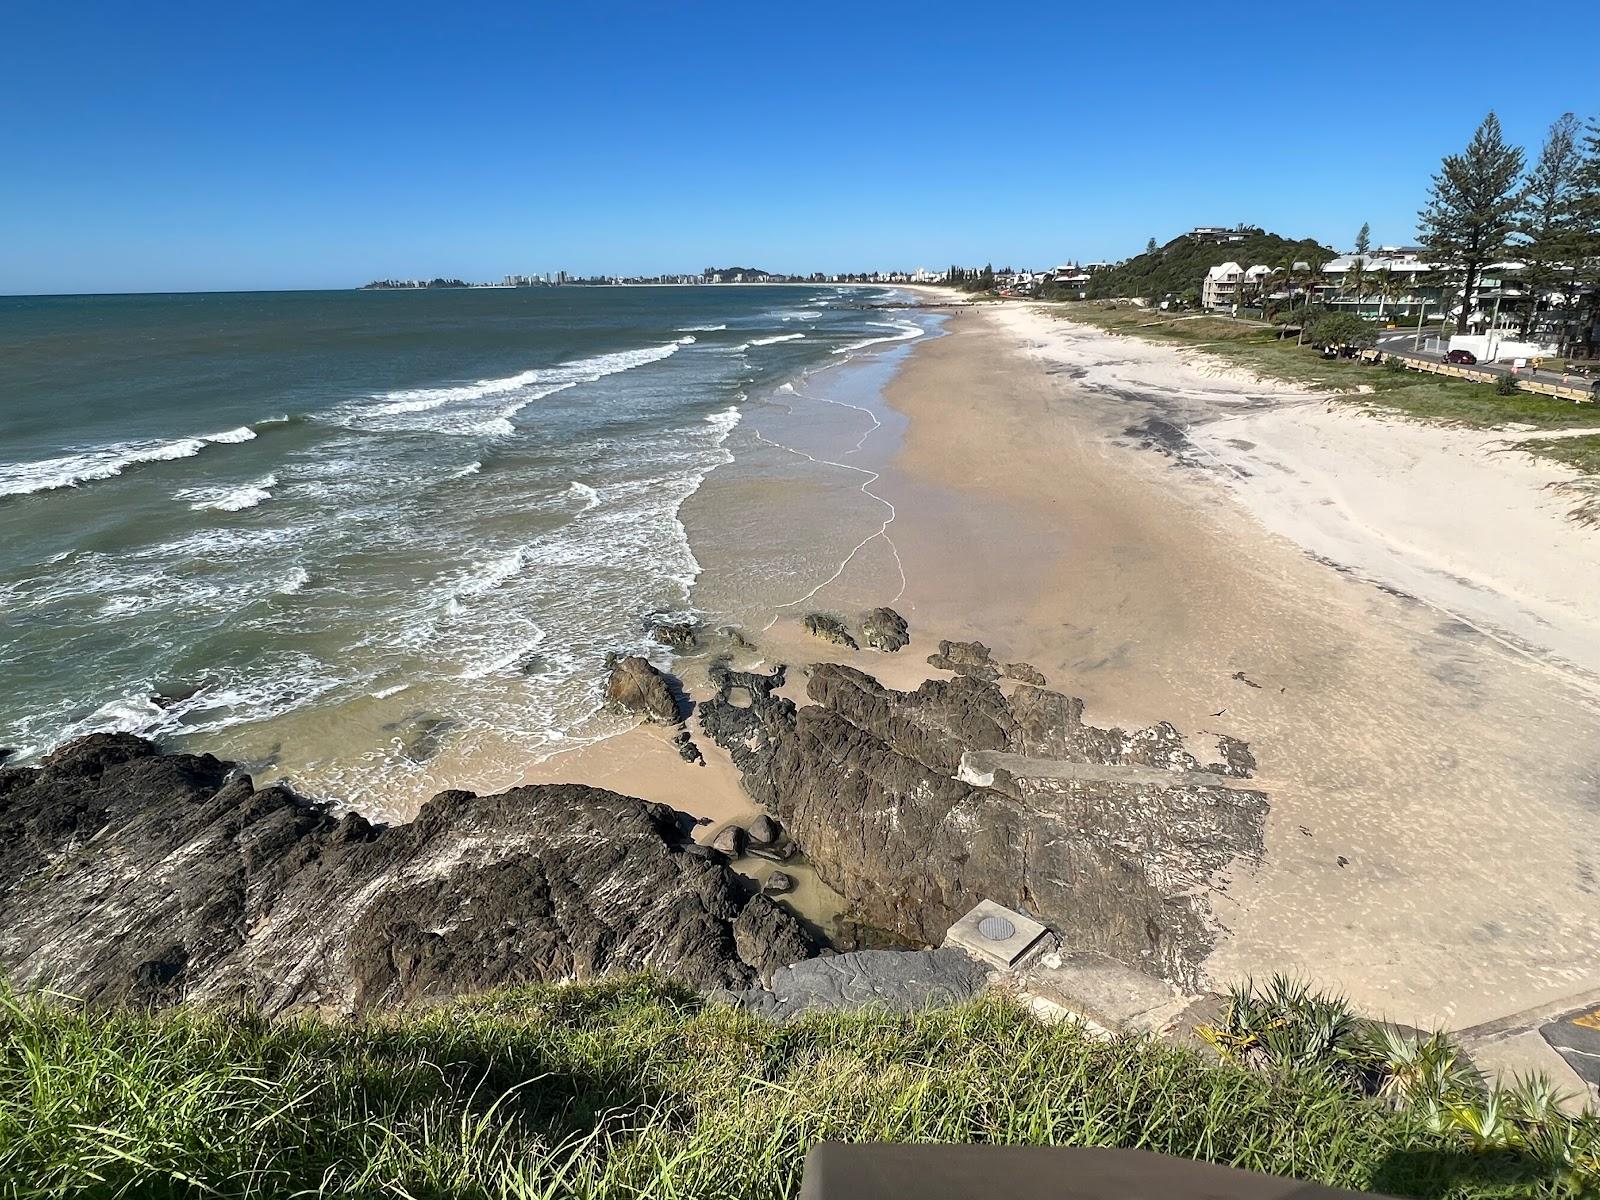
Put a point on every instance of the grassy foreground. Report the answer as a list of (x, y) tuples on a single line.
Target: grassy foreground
[(1417, 394), (634, 1088)]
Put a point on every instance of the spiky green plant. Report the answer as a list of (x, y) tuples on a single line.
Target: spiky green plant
[(1413, 1070), (1285, 1027)]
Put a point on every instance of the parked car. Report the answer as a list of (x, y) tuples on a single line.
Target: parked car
[(1463, 358)]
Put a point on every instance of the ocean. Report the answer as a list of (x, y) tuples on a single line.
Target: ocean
[(331, 533)]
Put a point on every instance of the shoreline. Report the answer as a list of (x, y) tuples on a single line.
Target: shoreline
[(1407, 758)]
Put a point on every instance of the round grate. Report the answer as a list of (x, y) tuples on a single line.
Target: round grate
[(996, 929)]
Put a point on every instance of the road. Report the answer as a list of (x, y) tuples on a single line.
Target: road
[(1399, 343)]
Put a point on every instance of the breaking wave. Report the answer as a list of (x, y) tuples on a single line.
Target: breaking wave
[(106, 462), (235, 499)]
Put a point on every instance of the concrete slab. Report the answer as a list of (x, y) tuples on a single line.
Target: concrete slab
[(1106, 993), (999, 936)]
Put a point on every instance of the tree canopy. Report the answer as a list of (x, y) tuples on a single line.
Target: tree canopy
[(1180, 265)]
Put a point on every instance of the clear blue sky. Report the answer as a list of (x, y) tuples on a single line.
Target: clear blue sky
[(152, 146)]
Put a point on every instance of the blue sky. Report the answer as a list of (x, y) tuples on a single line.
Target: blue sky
[(158, 146)]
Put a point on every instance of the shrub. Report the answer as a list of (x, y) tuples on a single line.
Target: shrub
[(1506, 385), (1341, 329)]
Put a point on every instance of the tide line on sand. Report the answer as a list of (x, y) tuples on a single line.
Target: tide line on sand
[(882, 531)]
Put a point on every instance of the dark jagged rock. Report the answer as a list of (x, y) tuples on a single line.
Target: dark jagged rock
[(680, 636), (637, 687), (130, 875), (884, 629), (829, 629), (1025, 672), (737, 717), (965, 658), (736, 637), (896, 980), (690, 753), (782, 852), (865, 778), (730, 841), (7, 753)]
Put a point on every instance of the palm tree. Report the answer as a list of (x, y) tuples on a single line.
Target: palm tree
[(1388, 286), (1356, 280), (1310, 275)]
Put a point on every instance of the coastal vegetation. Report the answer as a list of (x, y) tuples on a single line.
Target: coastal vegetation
[(635, 1087), (1178, 267)]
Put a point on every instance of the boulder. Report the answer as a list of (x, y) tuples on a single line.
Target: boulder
[(730, 841), (1123, 860), (690, 753), (777, 884), (971, 659), (884, 629), (830, 629), (680, 636), (764, 831), (128, 875), (1024, 672), (637, 687)]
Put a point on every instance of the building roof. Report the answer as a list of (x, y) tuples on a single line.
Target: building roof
[(1223, 270)]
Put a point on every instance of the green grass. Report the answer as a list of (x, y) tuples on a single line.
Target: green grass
[(634, 1088), (1580, 452), (1414, 394)]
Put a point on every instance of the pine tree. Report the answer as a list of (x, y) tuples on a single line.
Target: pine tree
[(1547, 224), (1586, 255), (1150, 246), (1471, 203), (1355, 278)]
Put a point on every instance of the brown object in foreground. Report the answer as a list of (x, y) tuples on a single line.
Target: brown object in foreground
[(837, 1171)]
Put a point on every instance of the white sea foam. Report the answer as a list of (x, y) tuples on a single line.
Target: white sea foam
[(105, 462), (485, 408), (291, 583), (771, 341), (385, 693), (472, 468), (590, 497), (906, 333), (700, 328), (242, 434), (234, 499)]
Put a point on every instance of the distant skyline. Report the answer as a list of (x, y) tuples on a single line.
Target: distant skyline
[(187, 146)]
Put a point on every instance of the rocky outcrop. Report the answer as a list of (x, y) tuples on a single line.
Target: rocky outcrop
[(868, 781), (884, 629), (1024, 672), (971, 659), (637, 687), (131, 875), (829, 629), (683, 743), (679, 636)]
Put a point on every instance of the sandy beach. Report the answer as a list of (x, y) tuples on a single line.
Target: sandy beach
[(1413, 679)]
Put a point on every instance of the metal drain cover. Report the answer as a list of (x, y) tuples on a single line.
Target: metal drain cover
[(996, 929)]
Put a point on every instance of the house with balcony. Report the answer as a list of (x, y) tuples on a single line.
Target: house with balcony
[(1415, 283), (1221, 286)]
